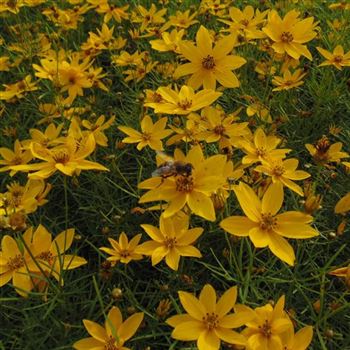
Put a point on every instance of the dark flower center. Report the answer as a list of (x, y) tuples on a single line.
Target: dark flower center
[(208, 62)]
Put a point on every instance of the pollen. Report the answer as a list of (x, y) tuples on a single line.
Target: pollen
[(185, 104), (265, 329), (47, 256), (124, 253), (219, 130), (208, 62), (170, 242), (15, 263), (111, 344), (338, 59), (184, 184), (261, 152), (61, 156), (278, 170), (268, 222), (211, 320), (287, 37)]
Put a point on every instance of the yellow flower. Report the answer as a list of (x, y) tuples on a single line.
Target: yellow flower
[(343, 205), (290, 33), (97, 129), (262, 148), (209, 322), (284, 171), (123, 250), (169, 42), (337, 58), (289, 80), (209, 64), (18, 89), (297, 341), (193, 190), (149, 17), (245, 22), (51, 254), (67, 158), (171, 240), (265, 331), (183, 19), (324, 152), (114, 333), (264, 226), (183, 102), (151, 134), (16, 157), (14, 264)]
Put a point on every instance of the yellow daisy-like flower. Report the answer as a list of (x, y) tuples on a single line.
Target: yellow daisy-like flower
[(264, 226), (183, 102), (193, 190), (14, 265), (284, 171), (171, 240), (208, 321), (290, 33), (324, 152), (289, 80), (262, 148), (151, 134), (265, 331), (337, 58), (297, 341), (68, 158), (123, 250), (209, 64), (114, 333)]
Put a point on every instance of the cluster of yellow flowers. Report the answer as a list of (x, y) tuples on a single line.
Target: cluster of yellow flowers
[(219, 152)]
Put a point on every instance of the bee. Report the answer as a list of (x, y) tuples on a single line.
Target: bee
[(171, 167)]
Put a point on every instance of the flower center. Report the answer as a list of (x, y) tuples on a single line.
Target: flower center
[(184, 184), (322, 145), (185, 104), (219, 130), (208, 62), (124, 253), (268, 222), (261, 152), (170, 242), (15, 263), (278, 170), (61, 156), (338, 59), (146, 136), (16, 161), (265, 329), (110, 344), (287, 37), (46, 256), (211, 320), (245, 22)]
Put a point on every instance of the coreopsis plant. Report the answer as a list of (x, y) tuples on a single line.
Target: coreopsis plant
[(18, 156), (288, 80), (323, 152), (246, 22), (17, 90), (113, 334), (188, 190), (97, 129), (264, 226), (68, 158), (272, 328), (209, 64), (169, 42), (150, 135), (342, 272), (123, 250), (209, 321), (284, 171), (50, 254), (290, 33), (262, 148), (184, 101), (183, 19), (15, 264), (171, 240), (337, 58)]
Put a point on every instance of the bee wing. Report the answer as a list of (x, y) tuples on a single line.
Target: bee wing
[(157, 172), (162, 157)]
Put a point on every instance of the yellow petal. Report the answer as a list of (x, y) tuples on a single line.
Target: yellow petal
[(238, 225), (273, 199), (95, 330), (89, 344), (302, 338), (230, 336), (281, 248), (207, 298), (226, 302), (192, 305), (129, 327), (188, 331), (208, 340)]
